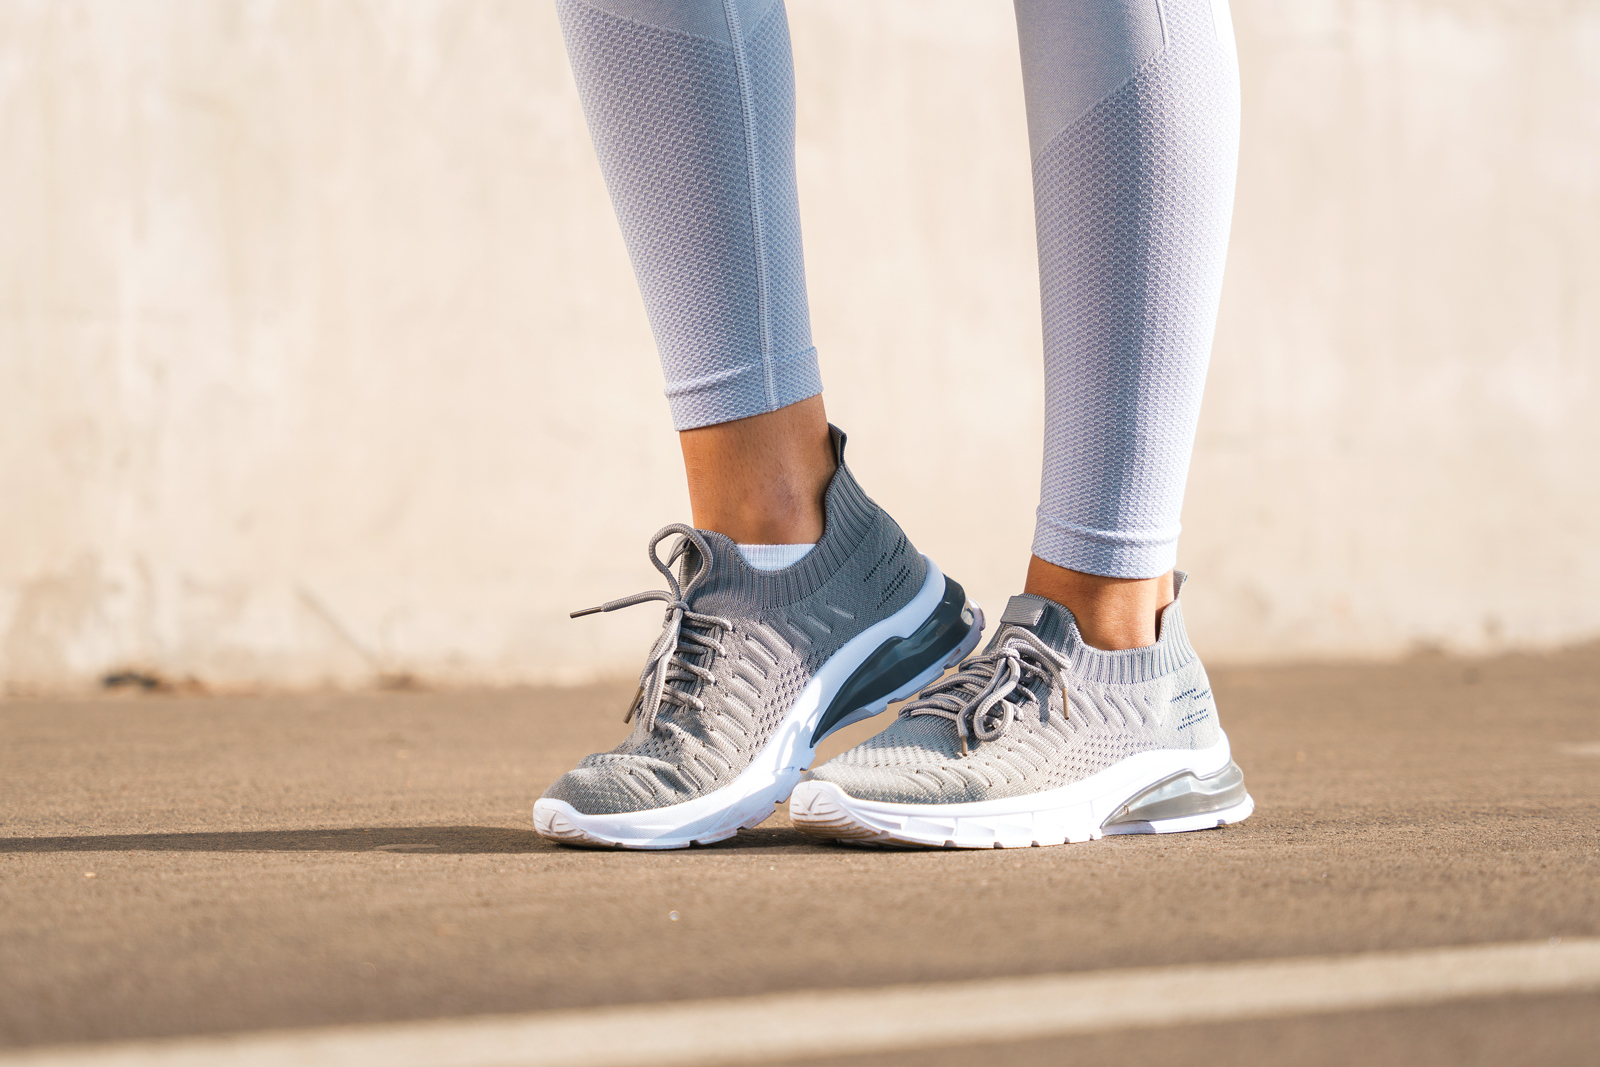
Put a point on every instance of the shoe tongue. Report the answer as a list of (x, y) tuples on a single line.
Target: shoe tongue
[(1047, 619), (688, 563)]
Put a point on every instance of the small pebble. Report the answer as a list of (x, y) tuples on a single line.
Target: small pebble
[(90, 874)]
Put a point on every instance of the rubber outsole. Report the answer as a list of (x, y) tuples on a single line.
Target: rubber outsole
[(1083, 811), (777, 768)]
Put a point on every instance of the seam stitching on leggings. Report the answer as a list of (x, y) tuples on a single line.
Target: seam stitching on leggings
[(741, 66), (1143, 68), (686, 386), (683, 34), (1126, 538)]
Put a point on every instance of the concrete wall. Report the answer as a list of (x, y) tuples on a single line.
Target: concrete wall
[(321, 361)]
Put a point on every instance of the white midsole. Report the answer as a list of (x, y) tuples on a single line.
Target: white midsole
[(776, 768), (1073, 812)]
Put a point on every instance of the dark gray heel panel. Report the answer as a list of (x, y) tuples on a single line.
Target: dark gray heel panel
[(1184, 795), (900, 659)]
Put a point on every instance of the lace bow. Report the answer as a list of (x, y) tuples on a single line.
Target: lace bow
[(680, 636), (975, 698)]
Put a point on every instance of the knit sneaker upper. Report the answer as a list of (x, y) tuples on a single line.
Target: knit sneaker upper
[(735, 682), (1020, 736)]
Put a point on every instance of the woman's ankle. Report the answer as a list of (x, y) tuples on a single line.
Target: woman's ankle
[(761, 480), (1112, 613)]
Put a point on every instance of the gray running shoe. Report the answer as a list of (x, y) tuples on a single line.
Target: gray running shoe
[(1039, 740), (753, 668)]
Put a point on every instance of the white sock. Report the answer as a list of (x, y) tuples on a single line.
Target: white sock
[(774, 557)]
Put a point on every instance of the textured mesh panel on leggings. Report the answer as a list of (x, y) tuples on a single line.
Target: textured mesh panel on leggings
[(1133, 201), (721, 269)]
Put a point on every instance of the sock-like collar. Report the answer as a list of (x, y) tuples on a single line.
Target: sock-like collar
[(1055, 625)]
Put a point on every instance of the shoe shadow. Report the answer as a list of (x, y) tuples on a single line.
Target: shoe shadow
[(431, 840), (437, 840)]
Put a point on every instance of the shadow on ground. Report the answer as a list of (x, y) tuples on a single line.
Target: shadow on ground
[(436, 840)]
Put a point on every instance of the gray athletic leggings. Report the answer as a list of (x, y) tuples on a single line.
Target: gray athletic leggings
[(1133, 118)]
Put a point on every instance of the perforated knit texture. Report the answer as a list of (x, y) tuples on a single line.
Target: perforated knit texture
[(721, 271), (1133, 201), (786, 626), (1166, 703)]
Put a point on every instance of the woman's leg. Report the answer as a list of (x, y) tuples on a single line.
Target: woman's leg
[(691, 107), (1133, 121), (819, 611), (1077, 720)]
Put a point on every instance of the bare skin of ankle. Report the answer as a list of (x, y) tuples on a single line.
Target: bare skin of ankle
[(761, 480), (1112, 613)]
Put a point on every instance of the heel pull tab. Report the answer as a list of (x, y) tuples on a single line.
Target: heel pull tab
[(1024, 609), (838, 437)]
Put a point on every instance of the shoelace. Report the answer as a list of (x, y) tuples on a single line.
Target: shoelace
[(975, 697), (678, 639)]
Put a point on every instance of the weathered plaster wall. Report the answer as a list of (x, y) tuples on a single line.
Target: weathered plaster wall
[(320, 359)]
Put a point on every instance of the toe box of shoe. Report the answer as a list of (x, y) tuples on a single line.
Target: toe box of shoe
[(919, 760), (931, 783), (607, 784)]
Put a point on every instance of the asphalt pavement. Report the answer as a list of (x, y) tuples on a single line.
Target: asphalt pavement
[(187, 864)]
